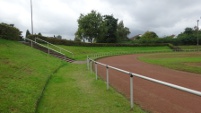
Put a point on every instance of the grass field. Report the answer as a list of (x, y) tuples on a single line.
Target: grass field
[(82, 52), (190, 61), (24, 72)]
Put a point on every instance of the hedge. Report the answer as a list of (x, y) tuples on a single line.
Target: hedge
[(74, 43)]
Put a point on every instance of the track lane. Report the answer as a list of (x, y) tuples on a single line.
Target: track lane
[(151, 96)]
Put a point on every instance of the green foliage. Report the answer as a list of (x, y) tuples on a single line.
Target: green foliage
[(94, 27), (149, 35), (189, 37), (9, 32), (111, 25), (27, 33), (122, 32), (89, 26), (79, 43)]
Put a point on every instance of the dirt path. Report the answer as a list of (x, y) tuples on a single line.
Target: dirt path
[(151, 96)]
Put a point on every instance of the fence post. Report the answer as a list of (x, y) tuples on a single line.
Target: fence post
[(107, 74), (96, 71), (31, 43), (87, 62), (91, 62), (48, 50), (131, 90)]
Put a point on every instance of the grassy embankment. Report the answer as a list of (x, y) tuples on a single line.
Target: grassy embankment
[(190, 47), (184, 61), (82, 52), (24, 72)]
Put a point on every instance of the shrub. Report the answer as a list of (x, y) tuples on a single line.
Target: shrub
[(9, 32)]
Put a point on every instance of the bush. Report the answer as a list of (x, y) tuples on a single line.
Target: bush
[(9, 32)]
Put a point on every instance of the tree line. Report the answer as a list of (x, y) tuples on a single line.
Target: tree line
[(98, 28), (190, 36)]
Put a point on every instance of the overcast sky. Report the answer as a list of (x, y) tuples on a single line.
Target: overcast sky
[(59, 17)]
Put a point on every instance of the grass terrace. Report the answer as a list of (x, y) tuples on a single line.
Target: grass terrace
[(184, 61), (190, 47), (82, 52)]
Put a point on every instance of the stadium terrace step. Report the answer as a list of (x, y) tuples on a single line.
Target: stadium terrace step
[(49, 51)]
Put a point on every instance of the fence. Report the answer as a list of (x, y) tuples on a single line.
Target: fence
[(90, 63)]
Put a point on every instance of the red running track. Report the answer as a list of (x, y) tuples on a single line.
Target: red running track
[(150, 96)]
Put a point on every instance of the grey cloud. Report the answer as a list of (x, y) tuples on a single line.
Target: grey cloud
[(59, 17)]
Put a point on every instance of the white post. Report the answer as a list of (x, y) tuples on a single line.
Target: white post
[(131, 90), (87, 62), (107, 74), (91, 62), (48, 49), (96, 71), (31, 44)]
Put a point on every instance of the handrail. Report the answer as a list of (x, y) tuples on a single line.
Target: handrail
[(44, 46), (195, 92), (54, 45), (151, 79)]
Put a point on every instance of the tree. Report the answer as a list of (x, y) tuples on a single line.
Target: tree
[(101, 29), (122, 32), (188, 31), (27, 33), (149, 35), (88, 26), (111, 33), (10, 32), (189, 36), (59, 37), (39, 34)]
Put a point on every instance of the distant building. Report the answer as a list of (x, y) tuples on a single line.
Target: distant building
[(136, 37)]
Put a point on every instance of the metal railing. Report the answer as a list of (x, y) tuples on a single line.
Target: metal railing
[(131, 74), (60, 48), (43, 46)]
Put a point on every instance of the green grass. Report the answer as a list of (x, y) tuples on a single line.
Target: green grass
[(73, 91), (23, 73), (82, 52), (190, 62), (190, 47)]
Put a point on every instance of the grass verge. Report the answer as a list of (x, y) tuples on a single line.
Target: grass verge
[(73, 89), (23, 74), (190, 62)]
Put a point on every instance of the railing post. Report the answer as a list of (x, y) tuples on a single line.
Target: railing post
[(91, 62), (131, 90), (31, 43), (96, 68), (107, 75), (48, 50), (87, 62)]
